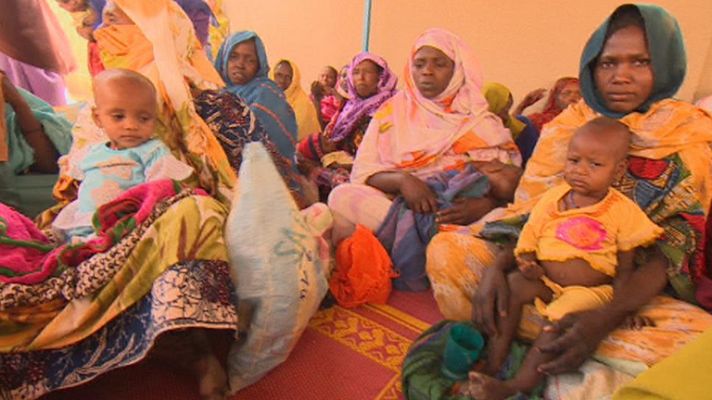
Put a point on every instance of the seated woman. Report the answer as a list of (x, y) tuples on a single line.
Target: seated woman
[(637, 51), (565, 92), (369, 84), (439, 121), (286, 75), (525, 134), (242, 63), (32, 137), (152, 284)]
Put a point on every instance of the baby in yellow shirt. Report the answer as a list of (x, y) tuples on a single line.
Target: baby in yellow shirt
[(574, 250)]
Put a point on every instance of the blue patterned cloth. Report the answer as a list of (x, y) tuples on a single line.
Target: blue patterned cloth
[(405, 234), (207, 301)]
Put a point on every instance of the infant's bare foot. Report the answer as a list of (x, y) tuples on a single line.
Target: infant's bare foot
[(483, 387), (211, 378)]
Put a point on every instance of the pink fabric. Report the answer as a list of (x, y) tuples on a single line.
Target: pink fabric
[(413, 132), (329, 106), (21, 260), (27, 265), (47, 85), (583, 233), (461, 104)]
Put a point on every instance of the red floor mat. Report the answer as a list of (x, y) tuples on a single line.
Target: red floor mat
[(344, 354)]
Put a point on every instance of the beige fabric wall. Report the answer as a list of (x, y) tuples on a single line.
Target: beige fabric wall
[(704, 88), (523, 44)]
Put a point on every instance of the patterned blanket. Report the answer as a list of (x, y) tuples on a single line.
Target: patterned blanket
[(34, 270), (405, 234), (171, 304), (76, 302)]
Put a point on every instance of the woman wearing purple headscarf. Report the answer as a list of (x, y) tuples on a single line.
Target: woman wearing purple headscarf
[(370, 83)]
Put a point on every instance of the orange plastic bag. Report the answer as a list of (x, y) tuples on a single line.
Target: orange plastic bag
[(363, 270)]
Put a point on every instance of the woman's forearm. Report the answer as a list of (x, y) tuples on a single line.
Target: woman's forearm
[(387, 182), (46, 154), (643, 284)]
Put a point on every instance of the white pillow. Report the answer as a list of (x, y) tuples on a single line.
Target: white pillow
[(280, 265)]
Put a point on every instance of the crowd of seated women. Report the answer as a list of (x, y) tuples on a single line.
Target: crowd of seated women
[(371, 146)]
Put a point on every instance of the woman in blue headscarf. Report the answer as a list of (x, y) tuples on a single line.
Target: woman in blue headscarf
[(242, 63)]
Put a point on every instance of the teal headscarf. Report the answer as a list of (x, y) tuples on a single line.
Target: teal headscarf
[(667, 54), (265, 98)]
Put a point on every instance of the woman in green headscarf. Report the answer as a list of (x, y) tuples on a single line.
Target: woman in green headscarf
[(524, 132), (631, 66)]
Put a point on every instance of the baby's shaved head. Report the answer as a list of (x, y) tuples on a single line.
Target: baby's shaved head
[(126, 78), (611, 132)]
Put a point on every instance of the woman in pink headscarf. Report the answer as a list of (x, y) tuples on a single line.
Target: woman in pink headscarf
[(438, 122)]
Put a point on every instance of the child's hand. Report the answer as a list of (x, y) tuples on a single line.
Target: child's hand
[(530, 268), (637, 322), (317, 90)]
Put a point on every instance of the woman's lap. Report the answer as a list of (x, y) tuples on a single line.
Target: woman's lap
[(191, 294), (360, 204), (196, 220), (455, 263)]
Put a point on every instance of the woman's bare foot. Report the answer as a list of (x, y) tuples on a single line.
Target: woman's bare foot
[(212, 379), (483, 387)]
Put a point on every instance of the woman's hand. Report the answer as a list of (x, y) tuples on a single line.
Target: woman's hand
[(579, 337), (490, 299), (465, 211), (418, 195), (529, 100)]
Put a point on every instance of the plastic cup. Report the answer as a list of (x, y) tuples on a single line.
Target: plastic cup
[(462, 350)]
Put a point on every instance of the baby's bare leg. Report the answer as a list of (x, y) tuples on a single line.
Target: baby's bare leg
[(522, 291), (483, 387)]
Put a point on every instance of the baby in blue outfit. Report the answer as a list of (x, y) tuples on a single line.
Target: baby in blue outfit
[(126, 110)]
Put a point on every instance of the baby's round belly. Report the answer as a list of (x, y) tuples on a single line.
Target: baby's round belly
[(576, 272)]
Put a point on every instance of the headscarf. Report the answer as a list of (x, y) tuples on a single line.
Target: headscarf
[(669, 174), (413, 133), (163, 47), (198, 11), (497, 96), (304, 110), (98, 7), (30, 33), (265, 98), (356, 107), (551, 108), (667, 52), (667, 127)]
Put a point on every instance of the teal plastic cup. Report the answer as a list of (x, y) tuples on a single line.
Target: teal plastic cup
[(462, 350)]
